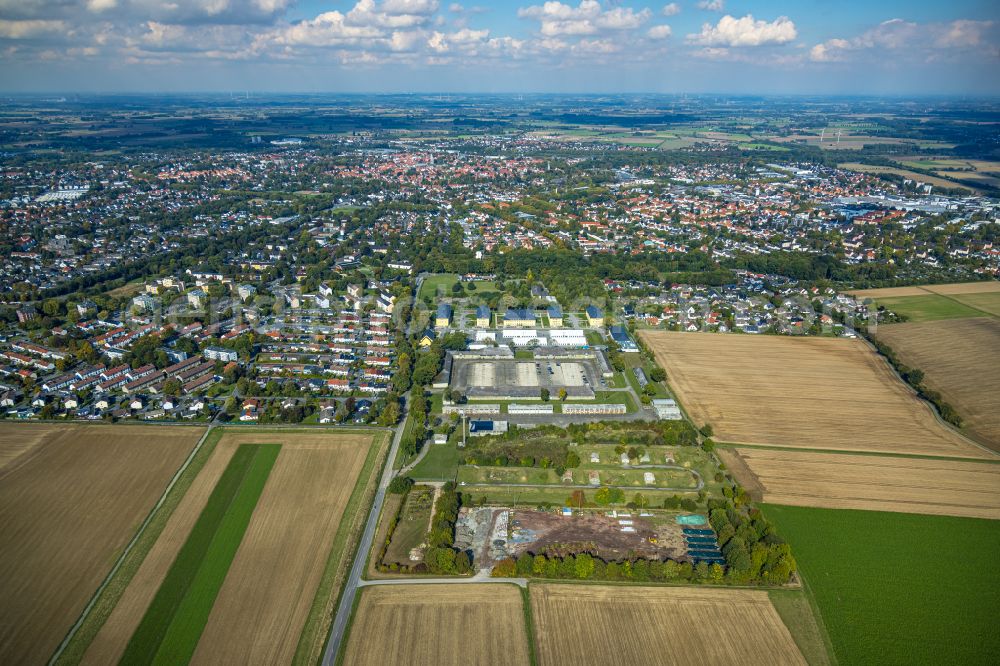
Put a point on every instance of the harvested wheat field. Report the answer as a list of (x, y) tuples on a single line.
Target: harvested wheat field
[(805, 392), (984, 287), (69, 503), (888, 292), (602, 624), (17, 440), (456, 625), (268, 591), (874, 483), (960, 358)]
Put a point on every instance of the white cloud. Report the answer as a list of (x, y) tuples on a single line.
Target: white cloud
[(905, 38), (161, 34), (829, 51), (101, 5), (422, 7), (659, 32), (464, 38), (745, 31), (391, 13), (30, 28), (712, 5), (962, 34), (673, 9), (437, 42), (327, 29), (405, 40), (587, 18)]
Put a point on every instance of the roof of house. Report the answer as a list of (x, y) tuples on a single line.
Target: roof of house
[(594, 311), (444, 311), (482, 311), (518, 314)]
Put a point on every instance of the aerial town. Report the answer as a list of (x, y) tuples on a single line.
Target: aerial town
[(315, 366)]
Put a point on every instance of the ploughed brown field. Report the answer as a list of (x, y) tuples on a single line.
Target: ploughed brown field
[(960, 358), (874, 483), (71, 498), (804, 392), (267, 594), (446, 625), (640, 626)]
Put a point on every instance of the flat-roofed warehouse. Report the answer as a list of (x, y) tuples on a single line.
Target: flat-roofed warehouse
[(494, 373)]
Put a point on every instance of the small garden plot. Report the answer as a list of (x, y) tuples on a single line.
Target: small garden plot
[(411, 528)]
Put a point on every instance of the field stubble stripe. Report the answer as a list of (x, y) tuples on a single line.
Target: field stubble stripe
[(197, 572)]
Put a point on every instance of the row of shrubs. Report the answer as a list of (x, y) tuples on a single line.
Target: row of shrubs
[(915, 378), (585, 566)]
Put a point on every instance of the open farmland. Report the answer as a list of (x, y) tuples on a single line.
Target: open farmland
[(905, 173), (269, 589), (818, 393), (960, 358), (878, 483), (173, 623), (69, 503), (438, 624), (984, 287), (930, 307), (939, 301), (597, 624), (896, 588)]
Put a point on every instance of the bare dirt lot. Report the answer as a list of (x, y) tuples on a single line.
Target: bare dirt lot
[(875, 483), (811, 392), (544, 532), (447, 625), (265, 599), (594, 624), (960, 358), (69, 503)]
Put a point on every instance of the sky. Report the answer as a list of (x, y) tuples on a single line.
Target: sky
[(889, 47)]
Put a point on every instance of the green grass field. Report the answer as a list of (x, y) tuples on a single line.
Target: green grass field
[(439, 464), (987, 304), (441, 284), (172, 625), (896, 588), (929, 308), (432, 284)]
